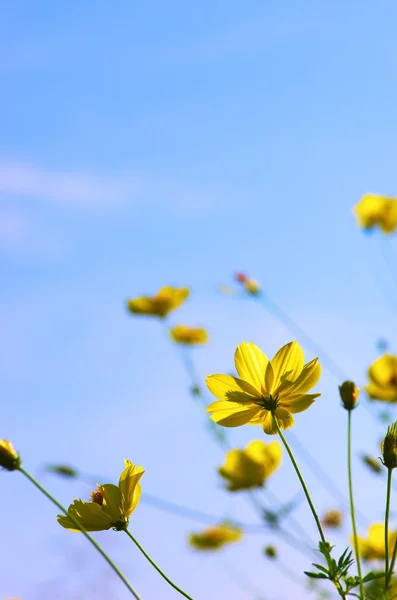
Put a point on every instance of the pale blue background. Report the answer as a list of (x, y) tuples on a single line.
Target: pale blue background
[(151, 143)]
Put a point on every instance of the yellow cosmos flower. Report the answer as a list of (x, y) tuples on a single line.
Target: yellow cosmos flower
[(382, 375), (9, 457), (166, 300), (110, 506), (373, 548), (374, 210), (189, 336), (264, 388), (333, 518), (249, 468), (214, 538)]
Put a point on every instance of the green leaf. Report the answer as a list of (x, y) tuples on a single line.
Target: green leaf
[(315, 575)]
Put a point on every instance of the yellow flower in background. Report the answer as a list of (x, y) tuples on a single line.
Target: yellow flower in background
[(110, 506), (278, 386), (166, 300), (9, 457), (249, 468), (333, 518), (251, 286), (189, 336), (373, 548), (382, 375), (214, 538), (374, 210)]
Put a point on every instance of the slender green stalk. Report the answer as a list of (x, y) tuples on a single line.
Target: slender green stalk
[(146, 555), (302, 481), (352, 513), (393, 560), (83, 531), (388, 490)]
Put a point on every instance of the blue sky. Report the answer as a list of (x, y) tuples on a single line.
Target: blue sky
[(155, 143)]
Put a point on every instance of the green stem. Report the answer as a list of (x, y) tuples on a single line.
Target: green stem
[(172, 584), (349, 470), (393, 560), (388, 490), (302, 481), (84, 532)]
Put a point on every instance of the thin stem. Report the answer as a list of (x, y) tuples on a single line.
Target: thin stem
[(172, 584), (388, 489), (302, 481), (83, 531), (393, 560), (353, 517)]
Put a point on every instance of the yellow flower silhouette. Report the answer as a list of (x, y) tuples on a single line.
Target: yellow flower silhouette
[(189, 336), (166, 300), (249, 468), (265, 388), (382, 375), (110, 506), (374, 210), (214, 538), (9, 457), (373, 548)]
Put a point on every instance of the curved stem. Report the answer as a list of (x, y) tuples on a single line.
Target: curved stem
[(349, 470), (388, 489), (302, 481), (83, 531), (172, 584)]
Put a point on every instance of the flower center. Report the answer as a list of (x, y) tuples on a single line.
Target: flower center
[(269, 402), (97, 496)]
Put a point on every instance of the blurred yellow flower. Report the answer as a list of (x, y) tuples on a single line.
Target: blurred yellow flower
[(251, 286), (9, 457), (189, 336), (214, 538), (249, 468), (333, 518), (374, 210), (266, 387), (110, 506), (166, 300), (373, 548), (382, 375)]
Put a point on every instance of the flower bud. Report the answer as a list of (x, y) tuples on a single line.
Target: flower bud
[(349, 392), (270, 552), (372, 463), (389, 447), (9, 457)]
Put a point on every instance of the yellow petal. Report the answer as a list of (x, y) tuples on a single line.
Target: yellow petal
[(284, 418), (268, 424), (89, 514), (306, 380), (383, 370), (386, 393), (287, 363), (231, 388), (129, 487), (111, 501), (251, 364), (297, 404), (232, 415)]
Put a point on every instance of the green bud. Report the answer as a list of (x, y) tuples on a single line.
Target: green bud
[(389, 447), (9, 457), (349, 392), (270, 551)]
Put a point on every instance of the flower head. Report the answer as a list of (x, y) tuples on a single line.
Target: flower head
[(349, 392), (9, 457), (332, 518), (374, 210), (214, 538), (166, 300), (110, 505), (251, 286), (373, 548), (249, 468), (382, 375), (389, 447), (189, 336), (264, 388)]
